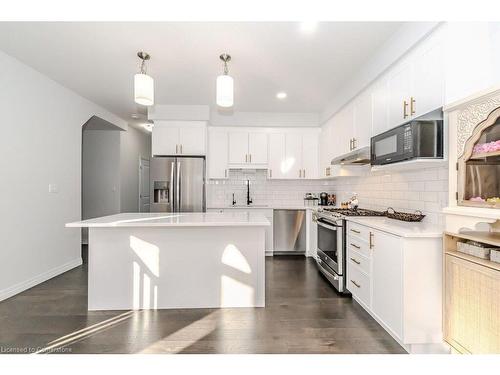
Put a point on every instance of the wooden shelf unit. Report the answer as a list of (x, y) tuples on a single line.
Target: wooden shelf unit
[(471, 286), (484, 155)]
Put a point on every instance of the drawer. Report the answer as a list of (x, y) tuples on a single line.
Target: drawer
[(358, 284), (360, 246), (359, 231), (358, 261)]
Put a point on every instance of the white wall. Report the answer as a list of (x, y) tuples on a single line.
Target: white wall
[(40, 145), (100, 173), (472, 58), (134, 144)]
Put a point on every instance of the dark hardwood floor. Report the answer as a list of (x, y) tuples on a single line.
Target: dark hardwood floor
[(303, 314)]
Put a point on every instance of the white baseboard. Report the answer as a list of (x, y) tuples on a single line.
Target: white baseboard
[(24, 285)]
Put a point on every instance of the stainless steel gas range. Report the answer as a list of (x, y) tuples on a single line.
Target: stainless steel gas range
[(331, 252)]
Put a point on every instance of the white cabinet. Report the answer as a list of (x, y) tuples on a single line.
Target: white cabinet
[(344, 130), (399, 87), (293, 154), (428, 73), (387, 280), (179, 138), (238, 147), (380, 114), (398, 281), (248, 148), (310, 154), (363, 119), (276, 156), (257, 147), (217, 156)]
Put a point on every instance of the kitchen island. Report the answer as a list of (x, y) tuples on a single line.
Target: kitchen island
[(175, 260)]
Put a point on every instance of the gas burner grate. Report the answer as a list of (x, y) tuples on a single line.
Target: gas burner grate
[(352, 212)]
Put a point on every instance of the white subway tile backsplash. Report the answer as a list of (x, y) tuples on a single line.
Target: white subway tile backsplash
[(424, 190)]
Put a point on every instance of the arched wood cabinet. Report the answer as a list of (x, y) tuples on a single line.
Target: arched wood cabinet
[(479, 165)]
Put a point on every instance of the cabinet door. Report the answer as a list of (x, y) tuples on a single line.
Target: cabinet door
[(344, 129), (399, 94), (217, 153), (363, 119), (380, 107), (276, 155), (326, 146), (387, 280), (238, 147), (293, 153), (310, 155), (164, 139), (428, 77), (192, 140), (257, 147)]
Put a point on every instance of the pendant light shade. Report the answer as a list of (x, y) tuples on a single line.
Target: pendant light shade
[(144, 90), (225, 85)]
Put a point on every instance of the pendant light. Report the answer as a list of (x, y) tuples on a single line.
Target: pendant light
[(225, 85), (144, 91)]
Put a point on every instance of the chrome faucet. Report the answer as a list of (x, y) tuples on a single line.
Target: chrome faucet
[(249, 201)]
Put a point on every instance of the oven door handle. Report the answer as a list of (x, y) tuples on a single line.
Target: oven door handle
[(322, 224)]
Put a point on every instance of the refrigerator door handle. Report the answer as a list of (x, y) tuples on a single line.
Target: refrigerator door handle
[(171, 190), (178, 187)]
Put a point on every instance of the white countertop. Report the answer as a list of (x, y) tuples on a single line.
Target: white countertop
[(265, 207), (162, 219), (398, 227)]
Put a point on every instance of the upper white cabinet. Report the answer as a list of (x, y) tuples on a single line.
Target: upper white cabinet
[(217, 160), (248, 148), (416, 84), (380, 113), (363, 120), (428, 70), (179, 138), (344, 130), (293, 154)]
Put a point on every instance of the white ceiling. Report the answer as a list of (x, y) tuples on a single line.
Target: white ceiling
[(98, 60)]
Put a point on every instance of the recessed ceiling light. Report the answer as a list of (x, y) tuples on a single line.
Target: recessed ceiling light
[(308, 27), (281, 95)]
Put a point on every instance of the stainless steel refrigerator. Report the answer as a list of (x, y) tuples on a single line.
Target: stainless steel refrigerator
[(177, 184)]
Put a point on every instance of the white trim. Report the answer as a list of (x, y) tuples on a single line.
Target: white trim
[(471, 99), (27, 284)]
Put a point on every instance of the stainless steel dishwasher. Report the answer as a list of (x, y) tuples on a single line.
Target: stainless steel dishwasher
[(289, 227)]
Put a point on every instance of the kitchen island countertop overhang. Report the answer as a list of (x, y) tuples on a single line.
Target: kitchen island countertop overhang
[(176, 260)]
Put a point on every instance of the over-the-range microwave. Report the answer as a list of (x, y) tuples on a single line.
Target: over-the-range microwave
[(413, 140)]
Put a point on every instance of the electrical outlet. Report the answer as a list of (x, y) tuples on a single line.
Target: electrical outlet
[(53, 188)]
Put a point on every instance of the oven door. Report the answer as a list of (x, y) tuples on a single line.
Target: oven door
[(392, 146), (330, 246)]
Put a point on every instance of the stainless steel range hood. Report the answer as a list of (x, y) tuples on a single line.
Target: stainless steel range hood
[(360, 156)]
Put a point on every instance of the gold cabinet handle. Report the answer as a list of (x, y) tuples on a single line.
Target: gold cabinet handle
[(371, 240), (181, 149), (355, 231), (300, 173), (250, 158), (304, 173), (412, 105), (405, 107), (327, 171), (176, 149), (246, 158), (354, 143), (271, 173), (355, 261), (351, 144), (356, 246), (355, 283), (225, 173)]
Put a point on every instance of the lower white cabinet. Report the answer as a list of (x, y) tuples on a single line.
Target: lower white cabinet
[(398, 281), (267, 212)]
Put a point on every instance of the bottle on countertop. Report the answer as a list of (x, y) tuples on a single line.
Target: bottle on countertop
[(353, 202)]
